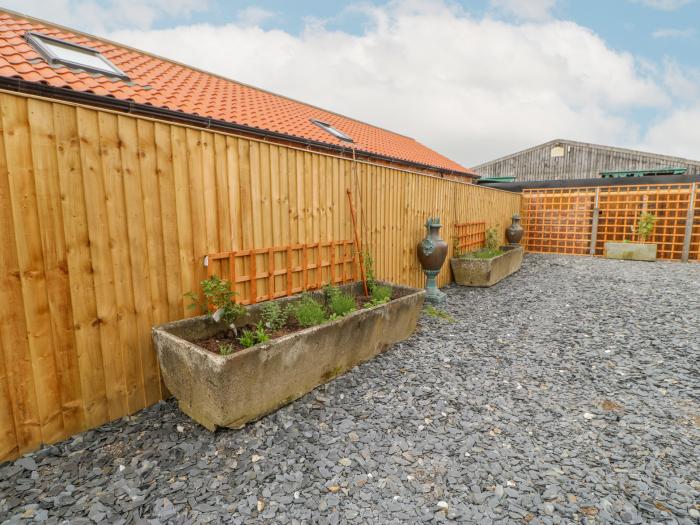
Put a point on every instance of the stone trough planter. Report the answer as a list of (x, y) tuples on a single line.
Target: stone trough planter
[(487, 272), (631, 251), (229, 391)]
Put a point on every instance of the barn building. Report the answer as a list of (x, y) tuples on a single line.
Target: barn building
[(567, 159)]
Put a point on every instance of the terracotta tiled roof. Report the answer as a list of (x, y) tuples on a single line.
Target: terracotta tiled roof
[(164, 84)]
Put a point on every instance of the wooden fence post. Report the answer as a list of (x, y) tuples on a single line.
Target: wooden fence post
[(594, 226), (689, 219)]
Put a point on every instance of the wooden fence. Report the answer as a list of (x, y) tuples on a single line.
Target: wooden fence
[(580, 220), (105, 220)]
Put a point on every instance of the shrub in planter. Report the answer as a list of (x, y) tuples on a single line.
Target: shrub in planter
[(488, 265), (635, 251), (220, 383)]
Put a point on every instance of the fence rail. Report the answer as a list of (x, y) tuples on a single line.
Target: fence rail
[(580, 221)]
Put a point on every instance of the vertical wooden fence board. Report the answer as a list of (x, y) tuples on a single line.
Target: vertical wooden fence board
[(150, 189), (80, 271), (113, 180), (183, 214), (168, 218), (138, 250), (48, 196), (20, 173), (103, 268), (13, 329)]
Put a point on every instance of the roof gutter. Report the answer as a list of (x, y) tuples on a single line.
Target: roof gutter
[(134, 108)]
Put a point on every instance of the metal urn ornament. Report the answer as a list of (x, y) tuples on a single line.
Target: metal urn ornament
[(432, 251), (515, 231)]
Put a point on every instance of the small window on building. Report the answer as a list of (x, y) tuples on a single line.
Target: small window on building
[(557, 151), (333, 131), (59, 52)]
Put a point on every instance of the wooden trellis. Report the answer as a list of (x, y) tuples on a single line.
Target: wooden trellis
[(580, 220), (262, 274), (469, 236)]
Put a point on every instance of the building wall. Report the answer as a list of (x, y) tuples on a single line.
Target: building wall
[(105, 220), (577, 161)]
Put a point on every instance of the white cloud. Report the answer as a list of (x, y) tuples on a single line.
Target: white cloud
[(97, 18), (254, 16), (677, 134), (674, 33), (664, 5), (472, 89), (525, 9)]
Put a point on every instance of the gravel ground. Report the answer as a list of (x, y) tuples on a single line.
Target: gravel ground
[(569, 393)]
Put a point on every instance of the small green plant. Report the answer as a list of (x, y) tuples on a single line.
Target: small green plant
[(247, 338), (492, 239), (645, 226), (380, 294), (217, 292), (368, 263), (339, 303), (308, 311), (253, 337), (273, 315), (225, 348), (439, 314)]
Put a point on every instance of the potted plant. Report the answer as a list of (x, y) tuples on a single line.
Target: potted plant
[(488, 265), (636, 251), (237, 364)]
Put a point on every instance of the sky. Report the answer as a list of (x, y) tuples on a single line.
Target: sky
[(472, 79)]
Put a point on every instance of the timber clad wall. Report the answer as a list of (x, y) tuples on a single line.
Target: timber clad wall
[(578, 161), (105, 220)]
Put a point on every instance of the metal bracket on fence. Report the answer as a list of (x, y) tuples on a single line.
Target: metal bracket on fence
[(594, 226), (689, 219)]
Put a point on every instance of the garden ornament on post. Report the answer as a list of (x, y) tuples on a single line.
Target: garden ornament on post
[(432, 251)]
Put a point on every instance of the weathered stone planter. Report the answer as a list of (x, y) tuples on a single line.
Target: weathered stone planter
[(487, 272), (229, 391), (631, 251)]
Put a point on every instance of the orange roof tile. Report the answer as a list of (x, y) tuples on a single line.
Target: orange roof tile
[(165, 84)]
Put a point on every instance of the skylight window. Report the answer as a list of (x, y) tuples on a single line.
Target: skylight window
[(59, 52), (333, 131)]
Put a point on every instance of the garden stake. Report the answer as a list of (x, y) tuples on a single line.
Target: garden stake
[(358, 247)]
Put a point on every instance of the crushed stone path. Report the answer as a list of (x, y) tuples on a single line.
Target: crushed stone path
[(569, 393)]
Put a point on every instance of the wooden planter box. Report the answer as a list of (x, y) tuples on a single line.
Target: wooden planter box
[(487, 272), (229, 391), (631, 251)]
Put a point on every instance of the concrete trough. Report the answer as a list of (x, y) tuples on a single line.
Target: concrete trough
[(230, 391), (469, 271), (631, 251)]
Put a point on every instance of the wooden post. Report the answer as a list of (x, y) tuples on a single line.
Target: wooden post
[(358, 246), (594, 226), (689, 219)]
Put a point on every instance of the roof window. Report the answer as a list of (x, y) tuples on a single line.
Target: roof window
[(333, 131), (59, 52)]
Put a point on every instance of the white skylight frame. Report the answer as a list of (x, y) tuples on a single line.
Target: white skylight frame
[(333, 131), (51, 48)]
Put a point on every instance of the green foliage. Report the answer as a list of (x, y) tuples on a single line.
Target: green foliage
[(308, 311), (339, 303), (253, 337), (485, 253), (492, 239), (439, 314), (247, 338), (217, 292), (645, 226), (226, 349), (380, 294), (273, 315)]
